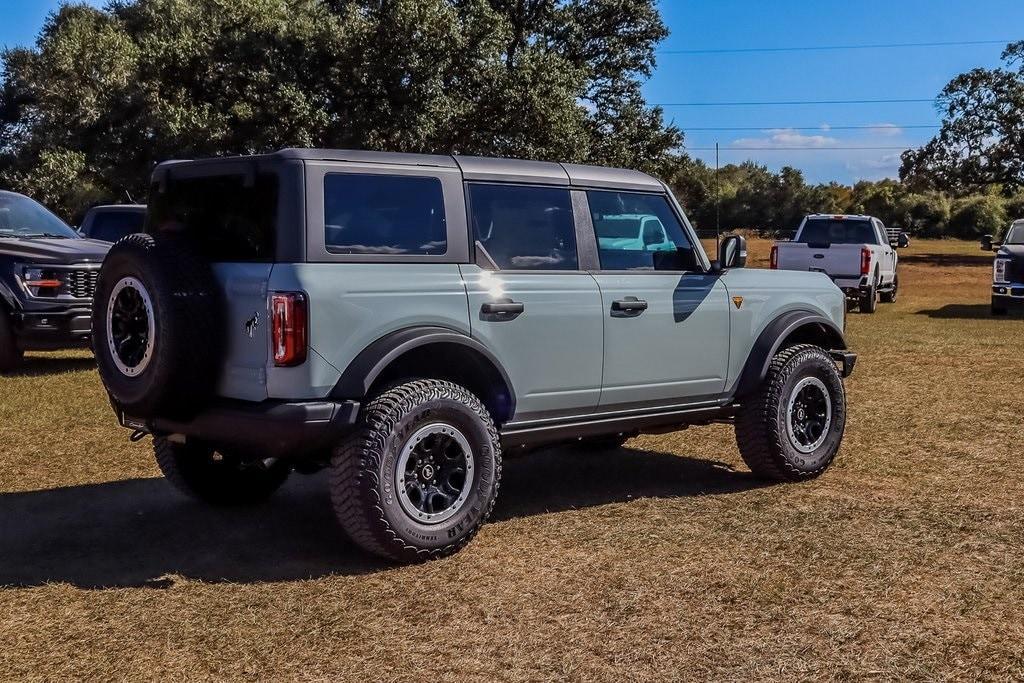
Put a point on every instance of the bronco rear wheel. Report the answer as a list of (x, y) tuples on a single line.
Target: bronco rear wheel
[(792, 427), (157, 319), (420, 476)]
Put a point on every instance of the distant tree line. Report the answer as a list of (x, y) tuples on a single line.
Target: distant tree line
[(750, 196)]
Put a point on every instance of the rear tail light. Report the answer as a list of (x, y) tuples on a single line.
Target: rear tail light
[(289, 322), (865, 261), (773, 260)]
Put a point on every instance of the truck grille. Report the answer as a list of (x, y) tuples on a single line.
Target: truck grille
[(81, 283)]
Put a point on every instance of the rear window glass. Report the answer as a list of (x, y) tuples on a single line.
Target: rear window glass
[(110, 226), (525, 228), (381, 214), (833, 231), (228, 217)]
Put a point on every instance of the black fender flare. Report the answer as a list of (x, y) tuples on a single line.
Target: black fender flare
[(775, 334), (358, 378)]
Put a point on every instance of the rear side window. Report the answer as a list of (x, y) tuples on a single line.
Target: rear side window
[(110, 226), (838, 231), (639, 232), (382, 214), (230, 218), (524, 228)]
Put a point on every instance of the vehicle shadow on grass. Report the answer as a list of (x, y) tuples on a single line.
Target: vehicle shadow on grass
[(39, 366), (968, 311), (140, 532)]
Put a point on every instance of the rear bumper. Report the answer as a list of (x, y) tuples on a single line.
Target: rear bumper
[(267, 429), (1009, 292)]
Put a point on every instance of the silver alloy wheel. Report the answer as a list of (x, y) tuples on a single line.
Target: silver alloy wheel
[(131, 326), (434, 474), (808, 414)]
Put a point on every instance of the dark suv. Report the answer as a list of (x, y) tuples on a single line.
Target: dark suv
[(47, 279)]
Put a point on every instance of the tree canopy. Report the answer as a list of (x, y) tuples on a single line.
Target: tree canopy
[(105, 94), (981, 142)]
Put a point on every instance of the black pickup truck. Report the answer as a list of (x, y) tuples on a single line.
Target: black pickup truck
[(47, 279)]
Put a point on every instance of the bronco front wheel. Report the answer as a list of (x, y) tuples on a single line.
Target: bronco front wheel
[(420, 476), (791, 428)]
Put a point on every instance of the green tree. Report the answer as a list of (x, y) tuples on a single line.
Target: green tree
[(981, 142), (979, 215), (113, 91)]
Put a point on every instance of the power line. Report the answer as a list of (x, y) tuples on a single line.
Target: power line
[(823, 48), (823, 129), (789, 102)]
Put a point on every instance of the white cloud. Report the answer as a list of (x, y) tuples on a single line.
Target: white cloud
[(785, 137), (888, 130)]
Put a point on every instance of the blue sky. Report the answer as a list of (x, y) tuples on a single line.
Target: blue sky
[(906, 73)]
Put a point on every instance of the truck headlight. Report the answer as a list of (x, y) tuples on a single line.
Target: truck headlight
[(999, 270), (41, 281)]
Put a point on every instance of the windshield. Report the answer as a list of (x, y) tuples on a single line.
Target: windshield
[(837, 231), (22, 217), (1015, 235)]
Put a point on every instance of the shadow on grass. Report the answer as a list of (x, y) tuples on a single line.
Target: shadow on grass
[(968, 311), (137, 532), (39, 366), (949, 260)]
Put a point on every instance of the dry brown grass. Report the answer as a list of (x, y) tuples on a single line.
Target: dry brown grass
[(664, 560)]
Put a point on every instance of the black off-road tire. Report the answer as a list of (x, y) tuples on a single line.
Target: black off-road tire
[(761, 425), (889, 297), (999, 308), (189, 334), (610, 442), (869, 299), (364, 468), (218, 479), (10, 355)]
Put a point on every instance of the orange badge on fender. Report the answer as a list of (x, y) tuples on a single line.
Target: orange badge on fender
[(738, 300)]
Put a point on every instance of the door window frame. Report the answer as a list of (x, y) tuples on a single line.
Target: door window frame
[(479, 260)]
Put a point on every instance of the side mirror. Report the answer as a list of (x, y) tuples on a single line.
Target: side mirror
[(986, 242), (733, 252), (903, 241)]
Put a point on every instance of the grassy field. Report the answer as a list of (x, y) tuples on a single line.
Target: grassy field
[(663, 560)]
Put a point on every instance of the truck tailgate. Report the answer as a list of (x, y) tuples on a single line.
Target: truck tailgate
[(836, 260)]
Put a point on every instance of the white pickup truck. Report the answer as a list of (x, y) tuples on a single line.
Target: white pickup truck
[(857, 252)]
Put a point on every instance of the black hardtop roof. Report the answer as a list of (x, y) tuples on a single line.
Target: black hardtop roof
[(493, 169)]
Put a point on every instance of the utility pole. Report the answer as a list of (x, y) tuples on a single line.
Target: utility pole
[(718, 205)]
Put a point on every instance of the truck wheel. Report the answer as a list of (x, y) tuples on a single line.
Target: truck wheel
[(791, 428), (217, 478), (420, 475), (869, 299), (998, 307), (889, 297), (10, 354)]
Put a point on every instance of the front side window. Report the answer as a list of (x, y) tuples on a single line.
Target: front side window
[(525, 228), (382, 214), (639, 232)]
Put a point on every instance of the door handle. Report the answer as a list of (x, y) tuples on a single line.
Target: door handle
[(629, 305), (503, 308)]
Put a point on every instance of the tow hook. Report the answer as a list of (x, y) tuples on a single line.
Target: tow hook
[(137, 435)]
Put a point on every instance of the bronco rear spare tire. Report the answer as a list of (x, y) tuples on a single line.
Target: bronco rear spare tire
[(157, 327)]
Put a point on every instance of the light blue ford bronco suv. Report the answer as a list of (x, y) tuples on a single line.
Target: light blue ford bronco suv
[(401, 320)]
